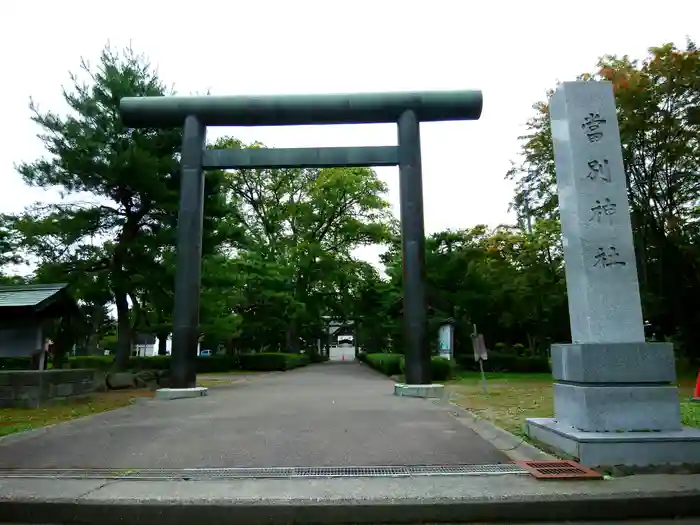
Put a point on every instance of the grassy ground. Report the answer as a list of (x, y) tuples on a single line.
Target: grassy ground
[(212, 383), (20, 419), (511, 398), (233, 373)]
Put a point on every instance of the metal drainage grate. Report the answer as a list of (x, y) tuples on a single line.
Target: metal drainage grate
[(272, 472), (559, 470)]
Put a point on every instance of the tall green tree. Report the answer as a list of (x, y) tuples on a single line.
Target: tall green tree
[(120, 185), (307, 221), (508, 282), (658, 101), (9, 255)]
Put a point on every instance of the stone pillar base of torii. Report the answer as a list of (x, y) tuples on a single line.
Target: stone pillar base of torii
[(432, 391), (615, 399)]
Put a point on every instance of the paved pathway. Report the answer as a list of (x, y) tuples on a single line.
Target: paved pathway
[(322, 415)]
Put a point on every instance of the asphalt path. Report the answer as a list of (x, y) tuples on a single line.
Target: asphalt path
[(331, 414)]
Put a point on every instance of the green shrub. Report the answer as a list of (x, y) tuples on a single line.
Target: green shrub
[(216, 363), (156, 362), (499, 362), (387, 364), (441, 369), (500, 348), (273, 361), (15, 363), (204, 365), (95, 362)]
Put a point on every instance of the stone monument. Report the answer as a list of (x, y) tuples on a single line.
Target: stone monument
[(615, 399)]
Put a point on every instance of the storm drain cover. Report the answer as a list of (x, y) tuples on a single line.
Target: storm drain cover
[(270, 472), (558, 470)]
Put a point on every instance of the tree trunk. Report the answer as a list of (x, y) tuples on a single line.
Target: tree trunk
[(120, 281), (95, 325), (59, 356), (292, 337), (162, 343), (123, 331)]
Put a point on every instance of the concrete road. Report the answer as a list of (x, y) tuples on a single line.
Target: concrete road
[(332, 414)]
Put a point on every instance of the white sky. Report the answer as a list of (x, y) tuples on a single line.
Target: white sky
[(511, 50)]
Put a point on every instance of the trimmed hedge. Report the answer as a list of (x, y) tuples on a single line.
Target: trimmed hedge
[(395, 364), (15, 363), (441, 369), (254, 362), (96, 362), (209, 364), (204, 365), (500, 362), (387, 364), (273, 361)]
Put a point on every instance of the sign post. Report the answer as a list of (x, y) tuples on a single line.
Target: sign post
[(480, 354), (446, 339)]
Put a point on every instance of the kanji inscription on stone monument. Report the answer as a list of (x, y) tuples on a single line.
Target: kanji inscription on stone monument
[(592, 123), (601, 272)]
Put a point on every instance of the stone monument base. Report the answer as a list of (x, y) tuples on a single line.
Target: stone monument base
[(181, 393), (605, 450), (426, 391), (616, 405)]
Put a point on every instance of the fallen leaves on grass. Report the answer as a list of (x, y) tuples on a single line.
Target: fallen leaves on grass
[(20, 419), (512, 398), (211, 383), (508, 401)]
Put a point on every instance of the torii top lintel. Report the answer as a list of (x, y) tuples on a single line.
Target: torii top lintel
[(295, 110)]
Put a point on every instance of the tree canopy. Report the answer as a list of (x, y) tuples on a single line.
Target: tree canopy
[(658, 109), (278, 254)]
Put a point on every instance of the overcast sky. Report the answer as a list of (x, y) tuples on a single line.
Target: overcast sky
[(511, 50)]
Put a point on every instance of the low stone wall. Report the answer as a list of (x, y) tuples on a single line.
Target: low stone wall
[(34, 388)]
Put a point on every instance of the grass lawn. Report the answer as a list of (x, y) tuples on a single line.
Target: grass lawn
[(512, 398), (20, 419)]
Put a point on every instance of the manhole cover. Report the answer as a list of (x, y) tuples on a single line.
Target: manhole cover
[(560, 469)]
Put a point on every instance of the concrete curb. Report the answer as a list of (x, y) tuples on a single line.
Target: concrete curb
[(516, 448), (146, 511)]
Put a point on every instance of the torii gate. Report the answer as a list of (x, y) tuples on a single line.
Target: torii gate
[(195, 113)]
